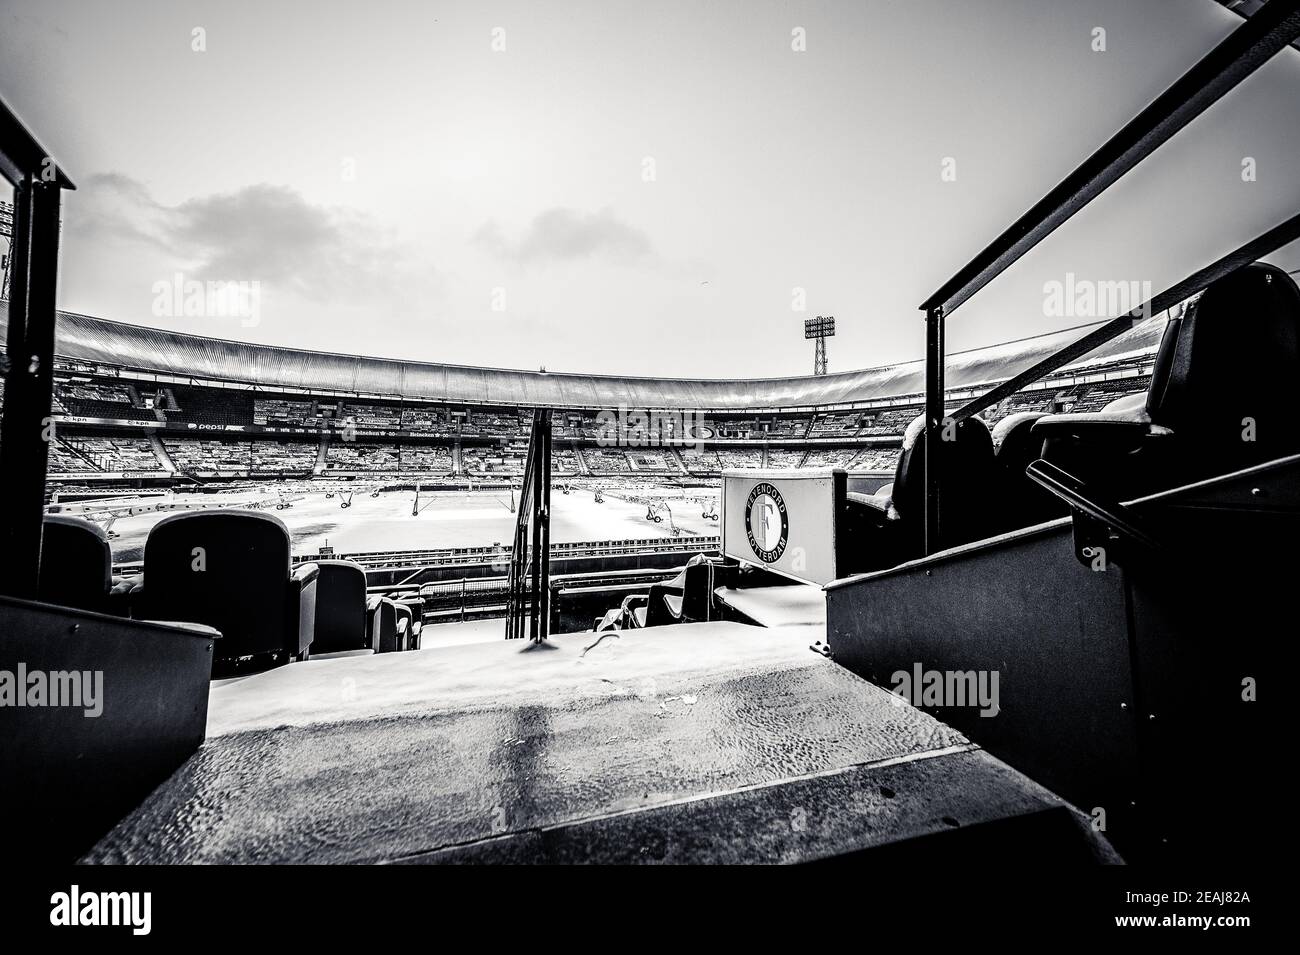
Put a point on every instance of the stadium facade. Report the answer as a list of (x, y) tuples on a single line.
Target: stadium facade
[(152, 406)]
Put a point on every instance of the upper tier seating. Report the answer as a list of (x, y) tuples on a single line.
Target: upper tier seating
[(386, 417), (281, 411), (211, 406)]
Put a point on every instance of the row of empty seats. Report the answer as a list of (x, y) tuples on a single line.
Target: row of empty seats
[(230, 570), (1217, 401)]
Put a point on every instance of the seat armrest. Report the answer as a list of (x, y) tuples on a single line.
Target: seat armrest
[(300, 612), (306, 572), (123, 595), (381, 624), (1129, 411), (1122, 430)]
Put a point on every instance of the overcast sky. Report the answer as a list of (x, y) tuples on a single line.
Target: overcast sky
[(626, 187)]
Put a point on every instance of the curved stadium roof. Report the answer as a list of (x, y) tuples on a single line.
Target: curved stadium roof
[(154, 351)]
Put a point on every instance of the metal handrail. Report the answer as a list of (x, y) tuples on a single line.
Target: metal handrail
[(1084, 500)]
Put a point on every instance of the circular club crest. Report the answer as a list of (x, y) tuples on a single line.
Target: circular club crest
[(766, 523)]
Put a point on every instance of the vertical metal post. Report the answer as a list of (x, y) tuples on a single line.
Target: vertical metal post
[(934, 412), (544, 518), (29, 383), (535, 583)]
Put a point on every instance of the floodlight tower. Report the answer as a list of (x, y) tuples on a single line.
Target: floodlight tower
[(820, 328)]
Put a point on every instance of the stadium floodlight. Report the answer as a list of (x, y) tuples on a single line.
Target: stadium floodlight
[(821, 328)]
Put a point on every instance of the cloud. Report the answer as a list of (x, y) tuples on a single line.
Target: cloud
[(566, 235), (266, 233)]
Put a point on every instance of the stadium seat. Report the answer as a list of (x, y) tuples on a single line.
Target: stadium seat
[(404, 621), (687, 597), (629, 615), (232, 571), (76, 568), (1021, 502), (892, 529), (342, 622), (382, 628), (1219, 398), (416, 607)]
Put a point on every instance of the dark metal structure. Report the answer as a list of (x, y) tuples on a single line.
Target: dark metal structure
[(6, 232), (1256, 248), (529, 581), (28, 362), (1251, 45), (821, 328)]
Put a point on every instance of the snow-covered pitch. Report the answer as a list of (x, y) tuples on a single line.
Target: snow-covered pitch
[(478, 518)]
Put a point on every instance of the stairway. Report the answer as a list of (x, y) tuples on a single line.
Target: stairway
[(160, 452), (322, 450)]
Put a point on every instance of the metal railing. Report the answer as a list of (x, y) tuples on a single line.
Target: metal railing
[(1243, 52), (529, 587)]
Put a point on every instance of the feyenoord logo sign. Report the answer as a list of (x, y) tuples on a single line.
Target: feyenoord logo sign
[(767, 525)]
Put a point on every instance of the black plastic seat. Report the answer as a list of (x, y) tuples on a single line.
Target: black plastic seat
[(231, 570), (1219, 398), (686, 597), (342, 622), (892, 529), (404, 620), (1019, 501), (416, 626), (76, 568), (382, 627)]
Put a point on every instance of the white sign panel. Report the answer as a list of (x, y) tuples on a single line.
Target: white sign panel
[(783, 520)]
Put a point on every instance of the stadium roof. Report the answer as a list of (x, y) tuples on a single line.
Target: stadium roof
[(268, 367)]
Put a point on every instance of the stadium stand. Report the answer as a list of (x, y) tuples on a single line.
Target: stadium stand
[(277, 411), (431, 458), (606, 461), (739, 458), (209, 457), (211, 406), (110, 372), (836, 425), (373, 416), (110, 454), (276, 457), (351, 456), (788, 427), (64, 459), (428, 420), (785, 457), (830, 457), (565, 461)]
